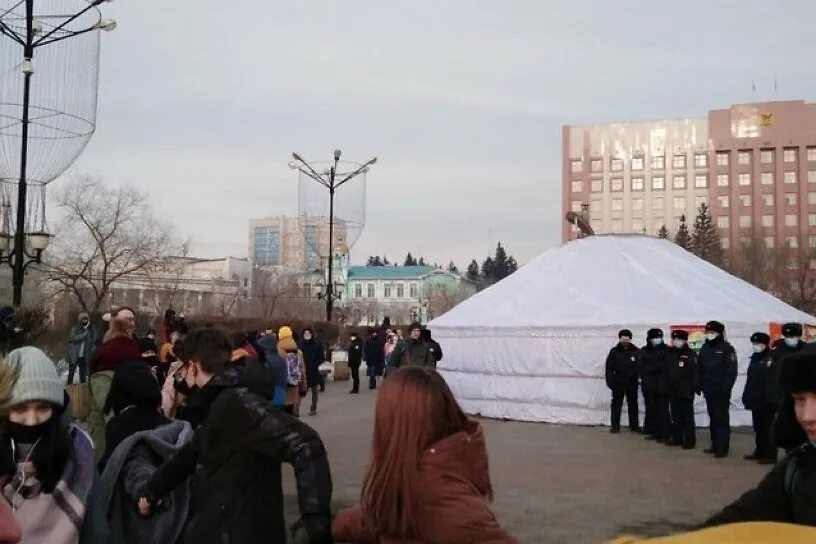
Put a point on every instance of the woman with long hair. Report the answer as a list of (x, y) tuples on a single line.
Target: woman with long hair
[(428, 478), (46, 465)]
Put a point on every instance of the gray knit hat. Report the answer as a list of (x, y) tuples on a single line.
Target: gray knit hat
[(38, 378)]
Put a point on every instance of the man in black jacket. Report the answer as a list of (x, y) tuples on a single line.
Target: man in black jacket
[(760, 397), (374, 356), (717, 368), (436, 349), (652, 367), (788, 493), (622, 379), (355, 359), (681, 379), (787, 434)]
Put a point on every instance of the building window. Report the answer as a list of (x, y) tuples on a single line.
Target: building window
[(617, 204), (659, 162), (616, 184), (637, 184), (790, 177), (744, 157), (722, 158), (744, 221), (413, 290), (767, 178), (745, 242), (791, 220), (658, 183), (358, 291), (790, 154), (679, 203), (679, 182), (790, 199), (811, 176), (768, 199), (387, 290), (701, 181), (812, 223), (577, 165), (700, 160), (745, 200), (698, 201), (769, 242), (637, 204), (400, 290), (725, 243), (617, 225), (723, 201), (767, 220), (596, 165), (723, 222), (811, 154), (370, 290), (811, 198), (597, 186), (637, 225), (679, 161), (637, 163), (577, 186), (617, 165), (657, 203), (722, 180), (766, 156), (745, 179), (792, 242)]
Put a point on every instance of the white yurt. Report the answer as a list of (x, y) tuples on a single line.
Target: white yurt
[(533, 346)]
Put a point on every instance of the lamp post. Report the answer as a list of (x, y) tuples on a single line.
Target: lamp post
[(31, 31), (331, 291)]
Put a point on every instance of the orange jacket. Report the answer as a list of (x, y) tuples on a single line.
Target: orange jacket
[(737, 533)]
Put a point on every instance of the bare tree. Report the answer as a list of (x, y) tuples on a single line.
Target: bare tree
[(442, 299), (105, 234)]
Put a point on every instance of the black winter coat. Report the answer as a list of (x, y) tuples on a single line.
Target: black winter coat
[(681, 372), (237, 494), (435, 348), (313, 357), (778, 353), (355, 352), (717, 366), (622, 367), (374, 351), (760, 386), (652, 367), (787, 494)]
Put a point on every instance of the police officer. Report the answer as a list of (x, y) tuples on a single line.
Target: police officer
[(760, 397), (787, 435), (622, 379), (652, 367), (681, 370), (717, 370)]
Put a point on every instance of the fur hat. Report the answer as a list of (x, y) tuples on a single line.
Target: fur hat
[(680, 335), (798, 373), (37, 378), (792, 330), (715, 326), (760, 338), (625, 332), (654, 333)]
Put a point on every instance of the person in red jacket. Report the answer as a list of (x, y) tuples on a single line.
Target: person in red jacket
[(428, 478)]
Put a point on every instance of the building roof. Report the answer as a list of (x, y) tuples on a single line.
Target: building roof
[(389, 272)]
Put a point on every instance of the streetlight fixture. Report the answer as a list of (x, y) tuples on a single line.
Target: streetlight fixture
[(330, 290), (65, 131)]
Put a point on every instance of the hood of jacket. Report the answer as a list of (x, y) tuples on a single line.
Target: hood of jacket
[(133, 384), (81, 316), (463, 454), (287, 345)]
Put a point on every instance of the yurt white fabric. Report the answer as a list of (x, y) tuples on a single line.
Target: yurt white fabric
[(532, 347)]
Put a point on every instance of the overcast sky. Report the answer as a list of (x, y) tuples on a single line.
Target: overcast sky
[(201, 103)]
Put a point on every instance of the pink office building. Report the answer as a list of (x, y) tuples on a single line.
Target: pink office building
[(753, 164)]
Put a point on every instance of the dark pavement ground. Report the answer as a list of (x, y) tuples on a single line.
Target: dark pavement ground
[(559, 484)]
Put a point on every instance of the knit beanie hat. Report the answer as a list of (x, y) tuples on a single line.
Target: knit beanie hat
[(284, 332), (37, 379)]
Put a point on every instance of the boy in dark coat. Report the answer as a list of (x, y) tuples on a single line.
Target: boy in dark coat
[(681, 381), (760, 396), (652, 368), (717, 371), (788, 493), (622, 380)]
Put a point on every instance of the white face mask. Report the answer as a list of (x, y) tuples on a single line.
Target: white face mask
[(791, 342), (759, 348), (657, 341), (711, 336), (679, 344)]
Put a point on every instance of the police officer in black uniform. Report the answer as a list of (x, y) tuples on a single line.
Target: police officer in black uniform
[(760, 397), (717, 370), (786, 434), (652, 368), (681, 370), (622, 379)]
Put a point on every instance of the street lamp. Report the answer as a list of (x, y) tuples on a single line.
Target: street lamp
[(55, 118), (330, 290)]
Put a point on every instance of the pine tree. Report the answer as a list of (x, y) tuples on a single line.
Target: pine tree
[(410, 260), (421, 262), (683, 238), (473, 271), (512, 265), (452, 268), (499, 269), (705, 239), (487, 272), (385, 261), (663, 232)]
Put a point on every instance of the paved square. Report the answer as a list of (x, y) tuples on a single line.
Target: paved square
[(559, 484)]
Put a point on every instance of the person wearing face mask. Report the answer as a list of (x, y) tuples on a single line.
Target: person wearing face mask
[(46, 465), (652, 368), (717, 368), (681, 369), (81, 345), (759, 396), (622, 380), (788, 492)]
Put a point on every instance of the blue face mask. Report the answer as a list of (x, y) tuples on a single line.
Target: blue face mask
[(657, 341), (791, 342)]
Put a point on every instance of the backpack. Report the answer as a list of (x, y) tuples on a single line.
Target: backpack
[(293, 373)]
